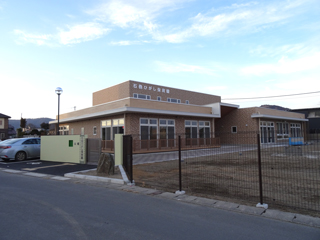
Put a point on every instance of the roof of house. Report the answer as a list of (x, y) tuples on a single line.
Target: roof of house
[(4, 116)]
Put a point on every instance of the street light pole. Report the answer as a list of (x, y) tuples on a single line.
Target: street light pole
[(59, 92)]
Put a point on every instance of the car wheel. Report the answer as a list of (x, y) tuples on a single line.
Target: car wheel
[(20, 156)]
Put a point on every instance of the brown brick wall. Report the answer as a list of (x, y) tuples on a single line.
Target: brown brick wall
[(242, 117), (127, 89), (88, 125), (138, 103), (110, 94), (239, 118)]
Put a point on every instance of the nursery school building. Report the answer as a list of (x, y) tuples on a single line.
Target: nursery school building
[(155, 115)]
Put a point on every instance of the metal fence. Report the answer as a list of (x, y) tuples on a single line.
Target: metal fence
[(162, 143), (290, 172), (93, 150), (107, 146)]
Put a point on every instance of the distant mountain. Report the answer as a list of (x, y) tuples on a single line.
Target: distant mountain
[(276, 107), (35, 121)]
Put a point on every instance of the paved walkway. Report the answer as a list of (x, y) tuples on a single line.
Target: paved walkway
[(169, 156)]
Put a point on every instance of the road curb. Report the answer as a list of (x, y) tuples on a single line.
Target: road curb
[(94, 178)]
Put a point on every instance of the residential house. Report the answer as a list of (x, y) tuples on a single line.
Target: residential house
[(4, 126)]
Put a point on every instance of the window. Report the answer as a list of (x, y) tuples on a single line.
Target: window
[(295, 129), (82, 131), (187, 101), (141, 96), (31, 141), (191, 129), (94, 130), (159, 98), (64, 130), (106, 130), (282, 130), (191, 132), (72, 131), (234, 129), (148, 131), (267, 133), (167, 129), (111, 127), (174, 100), (2, 123), (117, 126), (204, 129)]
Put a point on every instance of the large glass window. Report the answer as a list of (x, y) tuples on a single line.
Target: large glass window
[(106, 130), (204, 129), (117, 126), (282, 130), (167, 128), (112, 127), (148, 128), (267, 132), (64, 130), (191, 131), (148, 131), (295, 129)]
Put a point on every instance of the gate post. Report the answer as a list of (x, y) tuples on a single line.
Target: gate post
[(118, 149)]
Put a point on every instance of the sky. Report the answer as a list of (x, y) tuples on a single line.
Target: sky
[(230, 48)]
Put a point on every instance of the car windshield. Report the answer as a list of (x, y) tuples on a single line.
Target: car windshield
[(9, 141)]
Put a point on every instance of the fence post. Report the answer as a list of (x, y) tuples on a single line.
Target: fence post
[(180, 181), (131, 161), (261, 204), (180, 175)]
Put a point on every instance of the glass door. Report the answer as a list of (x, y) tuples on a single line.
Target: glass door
[(267, 132)]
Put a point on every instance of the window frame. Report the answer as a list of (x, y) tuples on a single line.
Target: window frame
[(173, 100), (149, 126), (108, 125), (64, 130), (142, 96)]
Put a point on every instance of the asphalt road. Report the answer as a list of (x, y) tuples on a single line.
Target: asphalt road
[(45, 167), (34, 208)]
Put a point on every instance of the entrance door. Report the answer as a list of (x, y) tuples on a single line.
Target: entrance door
[(267, 132)]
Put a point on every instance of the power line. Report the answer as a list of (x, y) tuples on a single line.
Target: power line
[(271, 96)]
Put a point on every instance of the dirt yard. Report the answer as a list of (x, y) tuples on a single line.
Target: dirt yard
[(290, 176)]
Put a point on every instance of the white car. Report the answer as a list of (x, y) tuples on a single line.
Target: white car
[(20, 149)]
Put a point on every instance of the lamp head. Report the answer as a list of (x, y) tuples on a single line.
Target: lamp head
[(58, 90)]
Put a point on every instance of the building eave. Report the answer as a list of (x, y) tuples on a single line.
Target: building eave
[(278, 117), (133, 110), (229, 105)]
